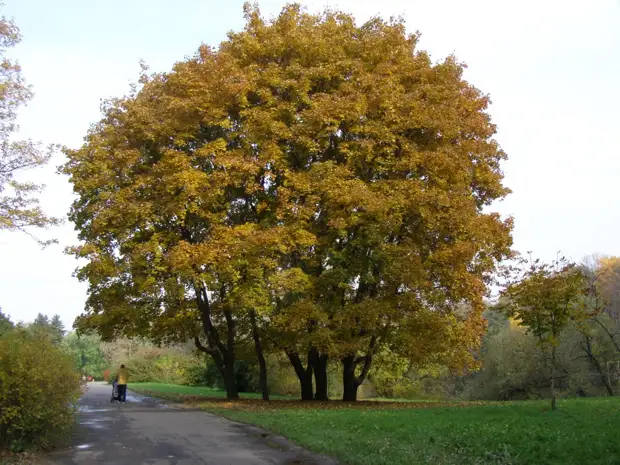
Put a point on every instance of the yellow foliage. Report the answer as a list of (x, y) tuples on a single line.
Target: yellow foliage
[(328, 176), (38, 391)]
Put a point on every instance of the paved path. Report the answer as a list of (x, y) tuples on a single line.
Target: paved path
[(146, 431)]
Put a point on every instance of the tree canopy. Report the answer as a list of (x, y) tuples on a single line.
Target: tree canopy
[(53, 328), (607, 271), (327, 178), (19, 208), (545, 298), (87, 354), (6, 324)]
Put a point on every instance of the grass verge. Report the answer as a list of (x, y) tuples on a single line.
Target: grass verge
[(181, 393), (581, 431)]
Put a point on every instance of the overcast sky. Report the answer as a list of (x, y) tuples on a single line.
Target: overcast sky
[(552, 69)]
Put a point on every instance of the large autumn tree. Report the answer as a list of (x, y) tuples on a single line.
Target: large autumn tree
[(323, 183)]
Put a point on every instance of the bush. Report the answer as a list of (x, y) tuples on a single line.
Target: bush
[(146, 362), (156, 366), (197, 375), (38, 391), (281, 377), (246, 375)]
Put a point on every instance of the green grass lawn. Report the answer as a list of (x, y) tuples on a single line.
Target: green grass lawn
[(174, 392), (581, 431)]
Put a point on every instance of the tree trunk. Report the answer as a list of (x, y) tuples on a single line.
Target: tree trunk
[(320, 378), (230, 381), (223, 353), (597, 365), (349, 381), (610, 389), (226, 367), (612, 337), (303, 374), (261, 357), (349, 364), (553, 403), (306, 387)]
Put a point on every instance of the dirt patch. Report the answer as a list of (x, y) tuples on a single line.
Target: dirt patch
[(17, 459)]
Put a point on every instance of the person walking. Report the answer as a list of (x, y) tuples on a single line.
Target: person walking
[(121, 379)]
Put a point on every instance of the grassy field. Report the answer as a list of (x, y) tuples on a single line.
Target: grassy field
[(174, 392), (581, 431)]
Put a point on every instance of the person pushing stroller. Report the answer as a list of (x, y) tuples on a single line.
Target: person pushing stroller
[(119, 386)]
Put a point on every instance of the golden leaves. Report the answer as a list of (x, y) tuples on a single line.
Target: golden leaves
[(323, 173), (546, 297)]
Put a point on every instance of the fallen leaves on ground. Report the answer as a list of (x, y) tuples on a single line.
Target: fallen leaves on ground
[(207, 402)]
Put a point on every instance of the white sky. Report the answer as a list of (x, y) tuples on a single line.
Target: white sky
[(552, 69)]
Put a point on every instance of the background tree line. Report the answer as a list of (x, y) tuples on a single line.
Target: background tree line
[(511, 363)]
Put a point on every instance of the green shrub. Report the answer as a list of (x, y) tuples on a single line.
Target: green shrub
[(38, 390), (142, 367), (281, 377), (246, 375), (160, 365), (196, 375), (174, 368)]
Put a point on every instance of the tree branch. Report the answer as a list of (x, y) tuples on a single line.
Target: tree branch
[(367, 361), (297, 365), (202, 300), (200, 346), (611, 336)]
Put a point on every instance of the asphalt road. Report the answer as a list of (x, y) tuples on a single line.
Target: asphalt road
[(147, 431)]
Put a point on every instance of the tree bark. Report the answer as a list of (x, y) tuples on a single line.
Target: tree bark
[(262, 365), (320, 378), (226, 367), (553, 402), (303, 374), (349, 364), (230, 380), (597, 365), (223, 354), (349, 381)]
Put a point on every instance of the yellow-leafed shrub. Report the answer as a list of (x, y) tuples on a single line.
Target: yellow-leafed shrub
[(38, 391)]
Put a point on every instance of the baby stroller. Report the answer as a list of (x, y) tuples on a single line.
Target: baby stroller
[(115, 396)]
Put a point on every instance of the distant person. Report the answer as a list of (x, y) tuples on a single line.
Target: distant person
[(121, 379)]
